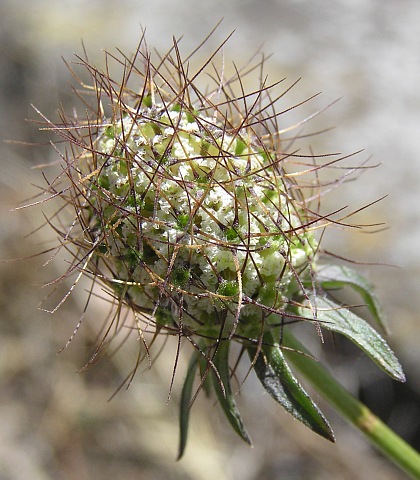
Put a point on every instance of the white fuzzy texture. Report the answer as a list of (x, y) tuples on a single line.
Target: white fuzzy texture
[(186, 209)]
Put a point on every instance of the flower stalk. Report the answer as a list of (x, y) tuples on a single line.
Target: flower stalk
[(354, 411)]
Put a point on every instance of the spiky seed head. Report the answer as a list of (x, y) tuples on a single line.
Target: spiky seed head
[(185, 205), (187, 209), (194, 218)]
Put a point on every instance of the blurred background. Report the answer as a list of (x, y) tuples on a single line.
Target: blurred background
[(56, 423)]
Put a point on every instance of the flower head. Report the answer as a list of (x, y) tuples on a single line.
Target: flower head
[(196, 219), (187, 209)]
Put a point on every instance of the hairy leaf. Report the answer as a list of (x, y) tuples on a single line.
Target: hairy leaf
[(341, 320), (184, 411), (278, 380), (223, 389), (338, 276)]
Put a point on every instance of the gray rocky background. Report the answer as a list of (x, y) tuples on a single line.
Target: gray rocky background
[(56, 423)]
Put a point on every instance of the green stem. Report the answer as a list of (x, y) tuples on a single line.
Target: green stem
[(381, 436)]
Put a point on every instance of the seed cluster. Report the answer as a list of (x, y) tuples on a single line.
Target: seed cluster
[(195, 221), (187, 208)]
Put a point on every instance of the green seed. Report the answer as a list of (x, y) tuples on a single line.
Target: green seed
[(228, 288)]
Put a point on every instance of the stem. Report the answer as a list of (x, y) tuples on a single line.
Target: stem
[(379, 434)]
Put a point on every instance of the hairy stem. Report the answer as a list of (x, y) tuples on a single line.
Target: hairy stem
[(379, 434)]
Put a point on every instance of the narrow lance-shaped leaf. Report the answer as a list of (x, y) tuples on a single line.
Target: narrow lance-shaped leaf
[(338, 276), (278, 380), (203, 367), (336, 318), (185, 407), (225, 395)]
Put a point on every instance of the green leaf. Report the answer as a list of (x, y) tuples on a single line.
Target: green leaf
[(223, 389), (278, 380), (338, 276), (341, 320), (204, 370), (185, 407)]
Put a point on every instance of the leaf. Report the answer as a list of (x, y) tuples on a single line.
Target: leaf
[(278, 380), (224, 394), (185, 407), (204, 370), (341, 320), (338, 276)]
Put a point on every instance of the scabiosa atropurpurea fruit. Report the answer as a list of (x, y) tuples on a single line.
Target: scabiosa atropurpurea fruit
[(189, 211)]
